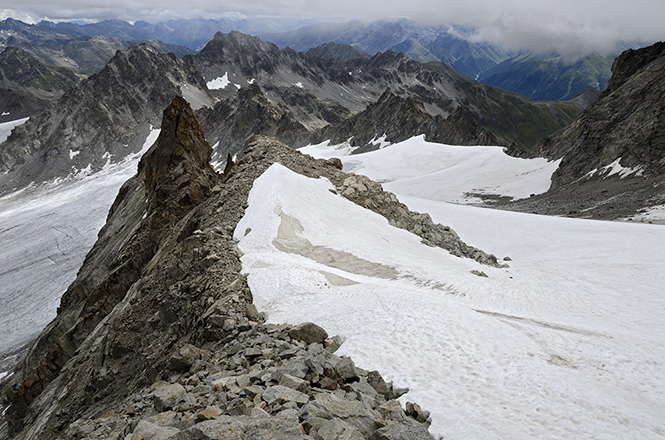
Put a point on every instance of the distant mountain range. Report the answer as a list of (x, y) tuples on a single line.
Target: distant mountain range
[(539, 76), (40, 62), (256, 88)]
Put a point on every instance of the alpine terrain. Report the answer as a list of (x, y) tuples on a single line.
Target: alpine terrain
[(253, 242)]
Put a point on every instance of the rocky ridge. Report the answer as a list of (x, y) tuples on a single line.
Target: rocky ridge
[(232, 122), (319, 90), (19, 68), (394, 119), (158, 335), (63, 45), (27, 85)]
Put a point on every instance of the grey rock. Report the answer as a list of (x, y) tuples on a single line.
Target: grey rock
[(402, 431), (347, 369), (279, 394), (149, 431), (252, 312), (293, 382), (329, 406), (244, 428), (167, 396), (186, 356), (308, 333), (336, 429), (376, 381), (296, 368)]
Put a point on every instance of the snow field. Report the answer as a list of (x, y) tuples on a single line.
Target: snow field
[(7, 127), (221, 82), (445, 172), (565, 343)]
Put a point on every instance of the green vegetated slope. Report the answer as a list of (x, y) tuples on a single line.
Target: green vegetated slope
[(540, 78)]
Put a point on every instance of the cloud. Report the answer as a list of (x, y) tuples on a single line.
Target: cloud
[(566, 26)]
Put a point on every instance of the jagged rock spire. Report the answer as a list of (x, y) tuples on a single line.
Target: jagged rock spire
[(181, 141)]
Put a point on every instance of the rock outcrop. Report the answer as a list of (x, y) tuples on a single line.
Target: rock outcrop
[(158, 337), (16, 103), (21, 68), (231, 123), (27, 85), (174, 176)]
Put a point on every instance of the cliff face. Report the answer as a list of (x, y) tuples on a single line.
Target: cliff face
[(174, 176), (627, 123), (613, 155), (395, 119), (232, 122)]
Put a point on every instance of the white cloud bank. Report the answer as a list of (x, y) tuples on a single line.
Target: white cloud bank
[(567, 26)]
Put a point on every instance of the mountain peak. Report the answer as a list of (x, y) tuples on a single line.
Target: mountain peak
[(630, 61)]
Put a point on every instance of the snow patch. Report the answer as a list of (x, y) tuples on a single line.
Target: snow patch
[(457, 174), (655, 214), (251, 81), (299, 85), (381, 141), (615, 168), (219, 83), (5, 114), (7, 127), (325, 150), (73, 154)]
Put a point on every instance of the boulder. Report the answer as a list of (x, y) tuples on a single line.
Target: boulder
[(308, 333)]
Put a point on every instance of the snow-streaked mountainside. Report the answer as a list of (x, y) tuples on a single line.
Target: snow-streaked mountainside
[(46, 233), (565, 343)]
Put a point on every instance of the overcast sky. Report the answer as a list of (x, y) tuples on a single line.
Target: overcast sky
[(568, 26)]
